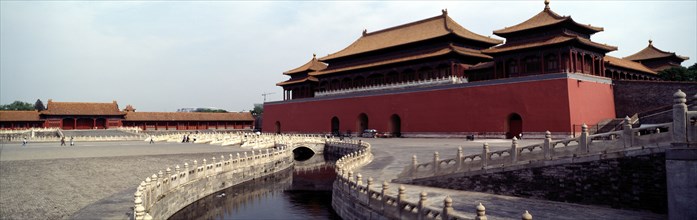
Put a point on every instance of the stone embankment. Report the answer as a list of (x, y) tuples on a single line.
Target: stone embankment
[(353, 199), (163, 194)]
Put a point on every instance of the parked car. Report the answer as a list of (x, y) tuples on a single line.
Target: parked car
[(369, 133)]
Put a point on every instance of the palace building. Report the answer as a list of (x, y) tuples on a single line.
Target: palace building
[(434, 77), (88, 115)]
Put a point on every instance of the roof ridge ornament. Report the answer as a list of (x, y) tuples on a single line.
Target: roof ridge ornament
[(444, 11), (650, 42), (546, 4), (365, 32)]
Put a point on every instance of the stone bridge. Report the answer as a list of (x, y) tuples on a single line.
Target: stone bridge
[(648, 168), (164, 193)]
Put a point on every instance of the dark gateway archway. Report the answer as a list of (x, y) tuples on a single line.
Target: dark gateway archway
[(68, 124), (278, 127), (361, 123), (396, 125), (335, 126), (100, 123), (514, 126)]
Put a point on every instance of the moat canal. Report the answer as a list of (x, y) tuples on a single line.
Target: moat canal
[(301, 193)]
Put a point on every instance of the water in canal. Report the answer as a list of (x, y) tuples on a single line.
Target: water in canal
[(301, 193)]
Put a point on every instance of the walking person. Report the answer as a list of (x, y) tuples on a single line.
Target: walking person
[(24, 142), (151, 141), (72, 143), (62, 141)]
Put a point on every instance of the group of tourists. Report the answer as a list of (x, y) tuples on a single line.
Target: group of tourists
[(72, 141), (188, 139)]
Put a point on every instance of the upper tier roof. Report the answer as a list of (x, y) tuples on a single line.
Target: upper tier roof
[(310, 66), (545, 18), (651, 52), (628, 64), (81, 108), (439, 52), (19, 116), (409, 33), (189, 116), (548, 41)]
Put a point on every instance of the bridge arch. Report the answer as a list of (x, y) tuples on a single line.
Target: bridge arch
[(514, 126), (303, 153)]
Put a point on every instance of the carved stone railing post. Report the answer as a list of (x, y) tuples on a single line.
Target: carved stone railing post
[(447, 208), (139, 210), (628, 135), (420, 206), (368, 184), (350, 184), (359, 179), (458, 162), (436, 165), (679, 118), (527, 215), (514, 151), (385, 187), (414, 165), (481, 214), (583, 140), (547, 146), (400, 200), (147, 193), (485, 155)]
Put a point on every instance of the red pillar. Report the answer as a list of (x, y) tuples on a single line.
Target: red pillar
[(542, 62), (593, 66)]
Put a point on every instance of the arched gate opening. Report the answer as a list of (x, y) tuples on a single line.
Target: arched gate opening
[(361, 123), (396, 125), (514, 126), (335, 126)]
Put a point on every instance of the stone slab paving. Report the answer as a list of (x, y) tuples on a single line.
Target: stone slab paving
[(88, 181), (96, 180)]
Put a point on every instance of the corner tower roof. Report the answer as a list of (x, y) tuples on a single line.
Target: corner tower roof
[(409, 33), (545, 18), (651, 52), (310, 66)]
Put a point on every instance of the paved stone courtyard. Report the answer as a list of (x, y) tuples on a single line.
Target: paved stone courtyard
[(96, 180)]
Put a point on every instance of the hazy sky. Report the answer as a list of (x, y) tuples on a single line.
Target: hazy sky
[(161, 56)]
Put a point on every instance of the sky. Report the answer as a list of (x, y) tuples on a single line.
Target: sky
[(162, 56)]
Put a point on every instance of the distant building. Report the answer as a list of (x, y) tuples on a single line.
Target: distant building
[(89, 115), (433, 77)]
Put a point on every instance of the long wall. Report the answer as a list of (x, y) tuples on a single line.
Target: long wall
[(545, 102), (639, 96)]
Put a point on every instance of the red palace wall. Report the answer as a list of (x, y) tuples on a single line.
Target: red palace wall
[(551, 103), (590, 102)]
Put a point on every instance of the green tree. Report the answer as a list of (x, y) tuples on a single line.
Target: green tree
[(258, 109), (17, 106), (39, 105), (679, 73)]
